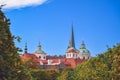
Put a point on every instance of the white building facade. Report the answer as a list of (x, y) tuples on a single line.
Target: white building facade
[(72, 52)]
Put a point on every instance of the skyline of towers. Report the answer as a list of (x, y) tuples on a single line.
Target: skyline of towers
[(71, 52)]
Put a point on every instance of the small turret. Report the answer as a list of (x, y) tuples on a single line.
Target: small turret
[(71, 52), (40, 53), (25, 47), (83, 45), (39, 50), (83, 52), (39, 46)]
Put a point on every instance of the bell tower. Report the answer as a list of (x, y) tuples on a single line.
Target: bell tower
[(72, 52)]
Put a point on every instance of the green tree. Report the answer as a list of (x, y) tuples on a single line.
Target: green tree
[(66, 74), (116, 62), (10, 62), (39, 74), (105, 66)]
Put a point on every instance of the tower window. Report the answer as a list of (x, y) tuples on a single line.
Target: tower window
[(73, 55), (67, 55), (44, 57)]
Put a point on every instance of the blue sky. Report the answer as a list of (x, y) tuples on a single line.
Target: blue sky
[(97, 22)]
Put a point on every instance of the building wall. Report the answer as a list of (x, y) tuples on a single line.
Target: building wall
[(41, 56), (84, 55), (72, 55)]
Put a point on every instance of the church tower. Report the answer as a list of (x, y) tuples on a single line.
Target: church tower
[(83, 52), (72, 42), (71, 52), (40, 53), (25, 49)]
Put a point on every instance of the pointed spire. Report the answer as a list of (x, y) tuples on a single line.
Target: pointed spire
[(83, 45), (39, 46), (25, 47), (39, 50), (72, 43)]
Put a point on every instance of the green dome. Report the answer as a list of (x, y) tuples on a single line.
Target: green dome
[(39, 51), (84, 51)]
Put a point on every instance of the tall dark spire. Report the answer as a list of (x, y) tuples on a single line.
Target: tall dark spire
[(72, 42), (26, 47)]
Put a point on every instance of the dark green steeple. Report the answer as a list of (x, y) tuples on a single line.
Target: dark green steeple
[(25, 47), (72, 42), (83, 45), (39, 46), (39, 50)]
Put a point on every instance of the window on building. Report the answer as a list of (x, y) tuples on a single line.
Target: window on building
[(44, 57), (67, 55), (70, 55), (39, 56), (84, 57), (73, 55)]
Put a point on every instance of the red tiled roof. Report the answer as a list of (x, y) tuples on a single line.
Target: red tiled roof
[(30, 56), (62, 59), (78, 61), (52, 57), (71, 62), (72, 51), (67, 61), (44, 62), (55, 60)]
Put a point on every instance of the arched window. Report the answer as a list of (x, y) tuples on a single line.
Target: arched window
[(73, 55), (44, 57), (67, 55), (70, 55), (84, 57)]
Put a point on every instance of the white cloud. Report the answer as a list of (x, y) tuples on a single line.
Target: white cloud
[(20, 3)]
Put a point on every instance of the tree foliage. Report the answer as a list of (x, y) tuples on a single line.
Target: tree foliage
[(10, 62), (105, 66), (39, 74)]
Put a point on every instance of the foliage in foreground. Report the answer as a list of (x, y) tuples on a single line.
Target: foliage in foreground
[(11, 67), (39, 74), (105, 66)]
